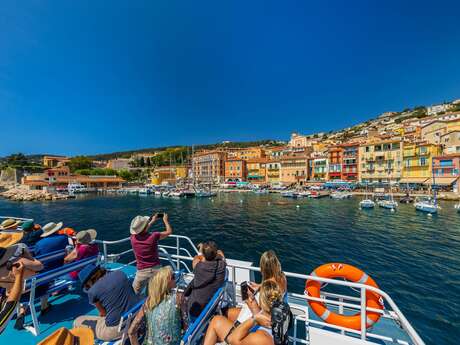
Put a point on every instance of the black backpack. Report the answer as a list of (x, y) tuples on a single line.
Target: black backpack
[(282, 320)]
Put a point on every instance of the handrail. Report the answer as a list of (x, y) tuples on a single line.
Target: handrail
[(360, 302)]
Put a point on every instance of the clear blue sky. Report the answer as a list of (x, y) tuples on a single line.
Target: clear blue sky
[(83, 77)]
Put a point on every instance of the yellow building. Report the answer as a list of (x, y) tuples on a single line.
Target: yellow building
[(55, 161), (273, 171), (417, 161), (246, 153), (257, 170), (380, 161), (433, 131), (168, 174)]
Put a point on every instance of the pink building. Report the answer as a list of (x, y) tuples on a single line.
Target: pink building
[(446, 171)]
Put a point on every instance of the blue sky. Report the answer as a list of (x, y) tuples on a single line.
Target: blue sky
[(83, 77)]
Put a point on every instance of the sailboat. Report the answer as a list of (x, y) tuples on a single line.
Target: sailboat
[(427, 204), (388, 202), (367, 202)]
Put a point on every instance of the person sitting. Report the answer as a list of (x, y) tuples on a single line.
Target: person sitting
[(270, 269), (209, 270), (256, 330), (8, 306), (112, 294), (51, 242), (84, 248), (145, 247), (161, 310), (32, 233), (19, 255), (9, 224)]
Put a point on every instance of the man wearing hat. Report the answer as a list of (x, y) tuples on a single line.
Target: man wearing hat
[(84, 248), (145, 247), (50, 242), (32, 233), (112, 294)]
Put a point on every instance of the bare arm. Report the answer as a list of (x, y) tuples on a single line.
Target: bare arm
[(16, 290), (31, 264), (241, 335), (72, 256), (168, 226), (134, 328)]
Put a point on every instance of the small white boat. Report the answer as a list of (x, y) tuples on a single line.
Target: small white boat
[(303, 194), (204, 194), (367, 203), (176, 194), (75, 188), (427, 205), (388, 204), (341, 195), (288, 194), (145, 191), (260, 191), (158, 193)]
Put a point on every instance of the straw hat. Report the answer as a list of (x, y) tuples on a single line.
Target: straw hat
[(51, 228), (7, 239), (138, 224), (86, 236), (7, 253), (9, 223), (64, 336)]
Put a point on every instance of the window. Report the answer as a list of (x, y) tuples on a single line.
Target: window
[(378, 148), (422, 161), (367, 148), (395, 146), (423, 150), (386, 147), (407, 165)]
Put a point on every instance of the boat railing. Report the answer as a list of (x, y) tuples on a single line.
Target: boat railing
[(340, 302)]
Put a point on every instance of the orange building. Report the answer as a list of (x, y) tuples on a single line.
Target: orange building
[(257, 170), (293, 169), (55, 161), (209, 166), (236, 169), (246, 153), (335, 155)]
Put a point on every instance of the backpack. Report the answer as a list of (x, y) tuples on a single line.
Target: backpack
[(282, 320)]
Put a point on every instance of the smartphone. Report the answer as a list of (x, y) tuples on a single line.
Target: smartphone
[(244, 290), (160, 215)]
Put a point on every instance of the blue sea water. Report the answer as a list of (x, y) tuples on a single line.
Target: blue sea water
[(413, 257)]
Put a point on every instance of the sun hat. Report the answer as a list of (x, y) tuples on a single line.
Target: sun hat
[(51, 228), (64, 336), (8, 239), (27, 225), (7, 253), (86, 273), (86, 236), (138, 224), (9, 223)]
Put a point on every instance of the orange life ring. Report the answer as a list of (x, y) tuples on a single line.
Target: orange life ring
[(350, 273)]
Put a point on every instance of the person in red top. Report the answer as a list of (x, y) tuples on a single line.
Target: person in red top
[(84, 248), (145, 247)]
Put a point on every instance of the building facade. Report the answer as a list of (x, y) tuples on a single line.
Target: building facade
[(55, 161), (417, 161), (335, 155), (350, 162), (246, 153), (273, 171), (257, 170), (446, 171), (236, 169), (450, 142), (293, 169), (209, 166), (380, 161)]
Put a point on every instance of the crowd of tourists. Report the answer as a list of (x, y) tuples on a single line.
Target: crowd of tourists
[(166, 312)]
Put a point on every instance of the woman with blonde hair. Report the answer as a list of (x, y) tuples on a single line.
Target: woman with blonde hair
[(254, 331), (270, 269), (160, 311)]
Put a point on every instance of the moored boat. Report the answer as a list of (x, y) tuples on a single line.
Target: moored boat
[(367, 203), (427, 205)]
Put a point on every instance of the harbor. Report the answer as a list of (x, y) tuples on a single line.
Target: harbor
[(402, 251)]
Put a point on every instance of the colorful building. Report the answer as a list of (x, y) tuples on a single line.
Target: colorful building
[(209, 166), (320, 168), (293, 169), (119, 164), (417, 161), (246, 153), (433, 131), (169, 174), (450, 142), (380, 161), (446, 171), (273, 171), (257, 170), (55, 161), (236, 169), (350, 162), (335, 155)]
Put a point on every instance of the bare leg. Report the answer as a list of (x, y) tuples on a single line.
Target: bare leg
[(233, 313), (217, 330)]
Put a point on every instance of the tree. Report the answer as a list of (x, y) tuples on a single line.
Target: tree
[(79, 163), (148, 162), (142, 162)]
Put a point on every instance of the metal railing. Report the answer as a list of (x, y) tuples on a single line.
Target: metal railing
[(339, 301)]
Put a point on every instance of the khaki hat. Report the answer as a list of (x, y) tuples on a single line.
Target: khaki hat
[(64, 336), (86, 236), (8, 239), (9, 223), (138, 224), (51, 228)]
